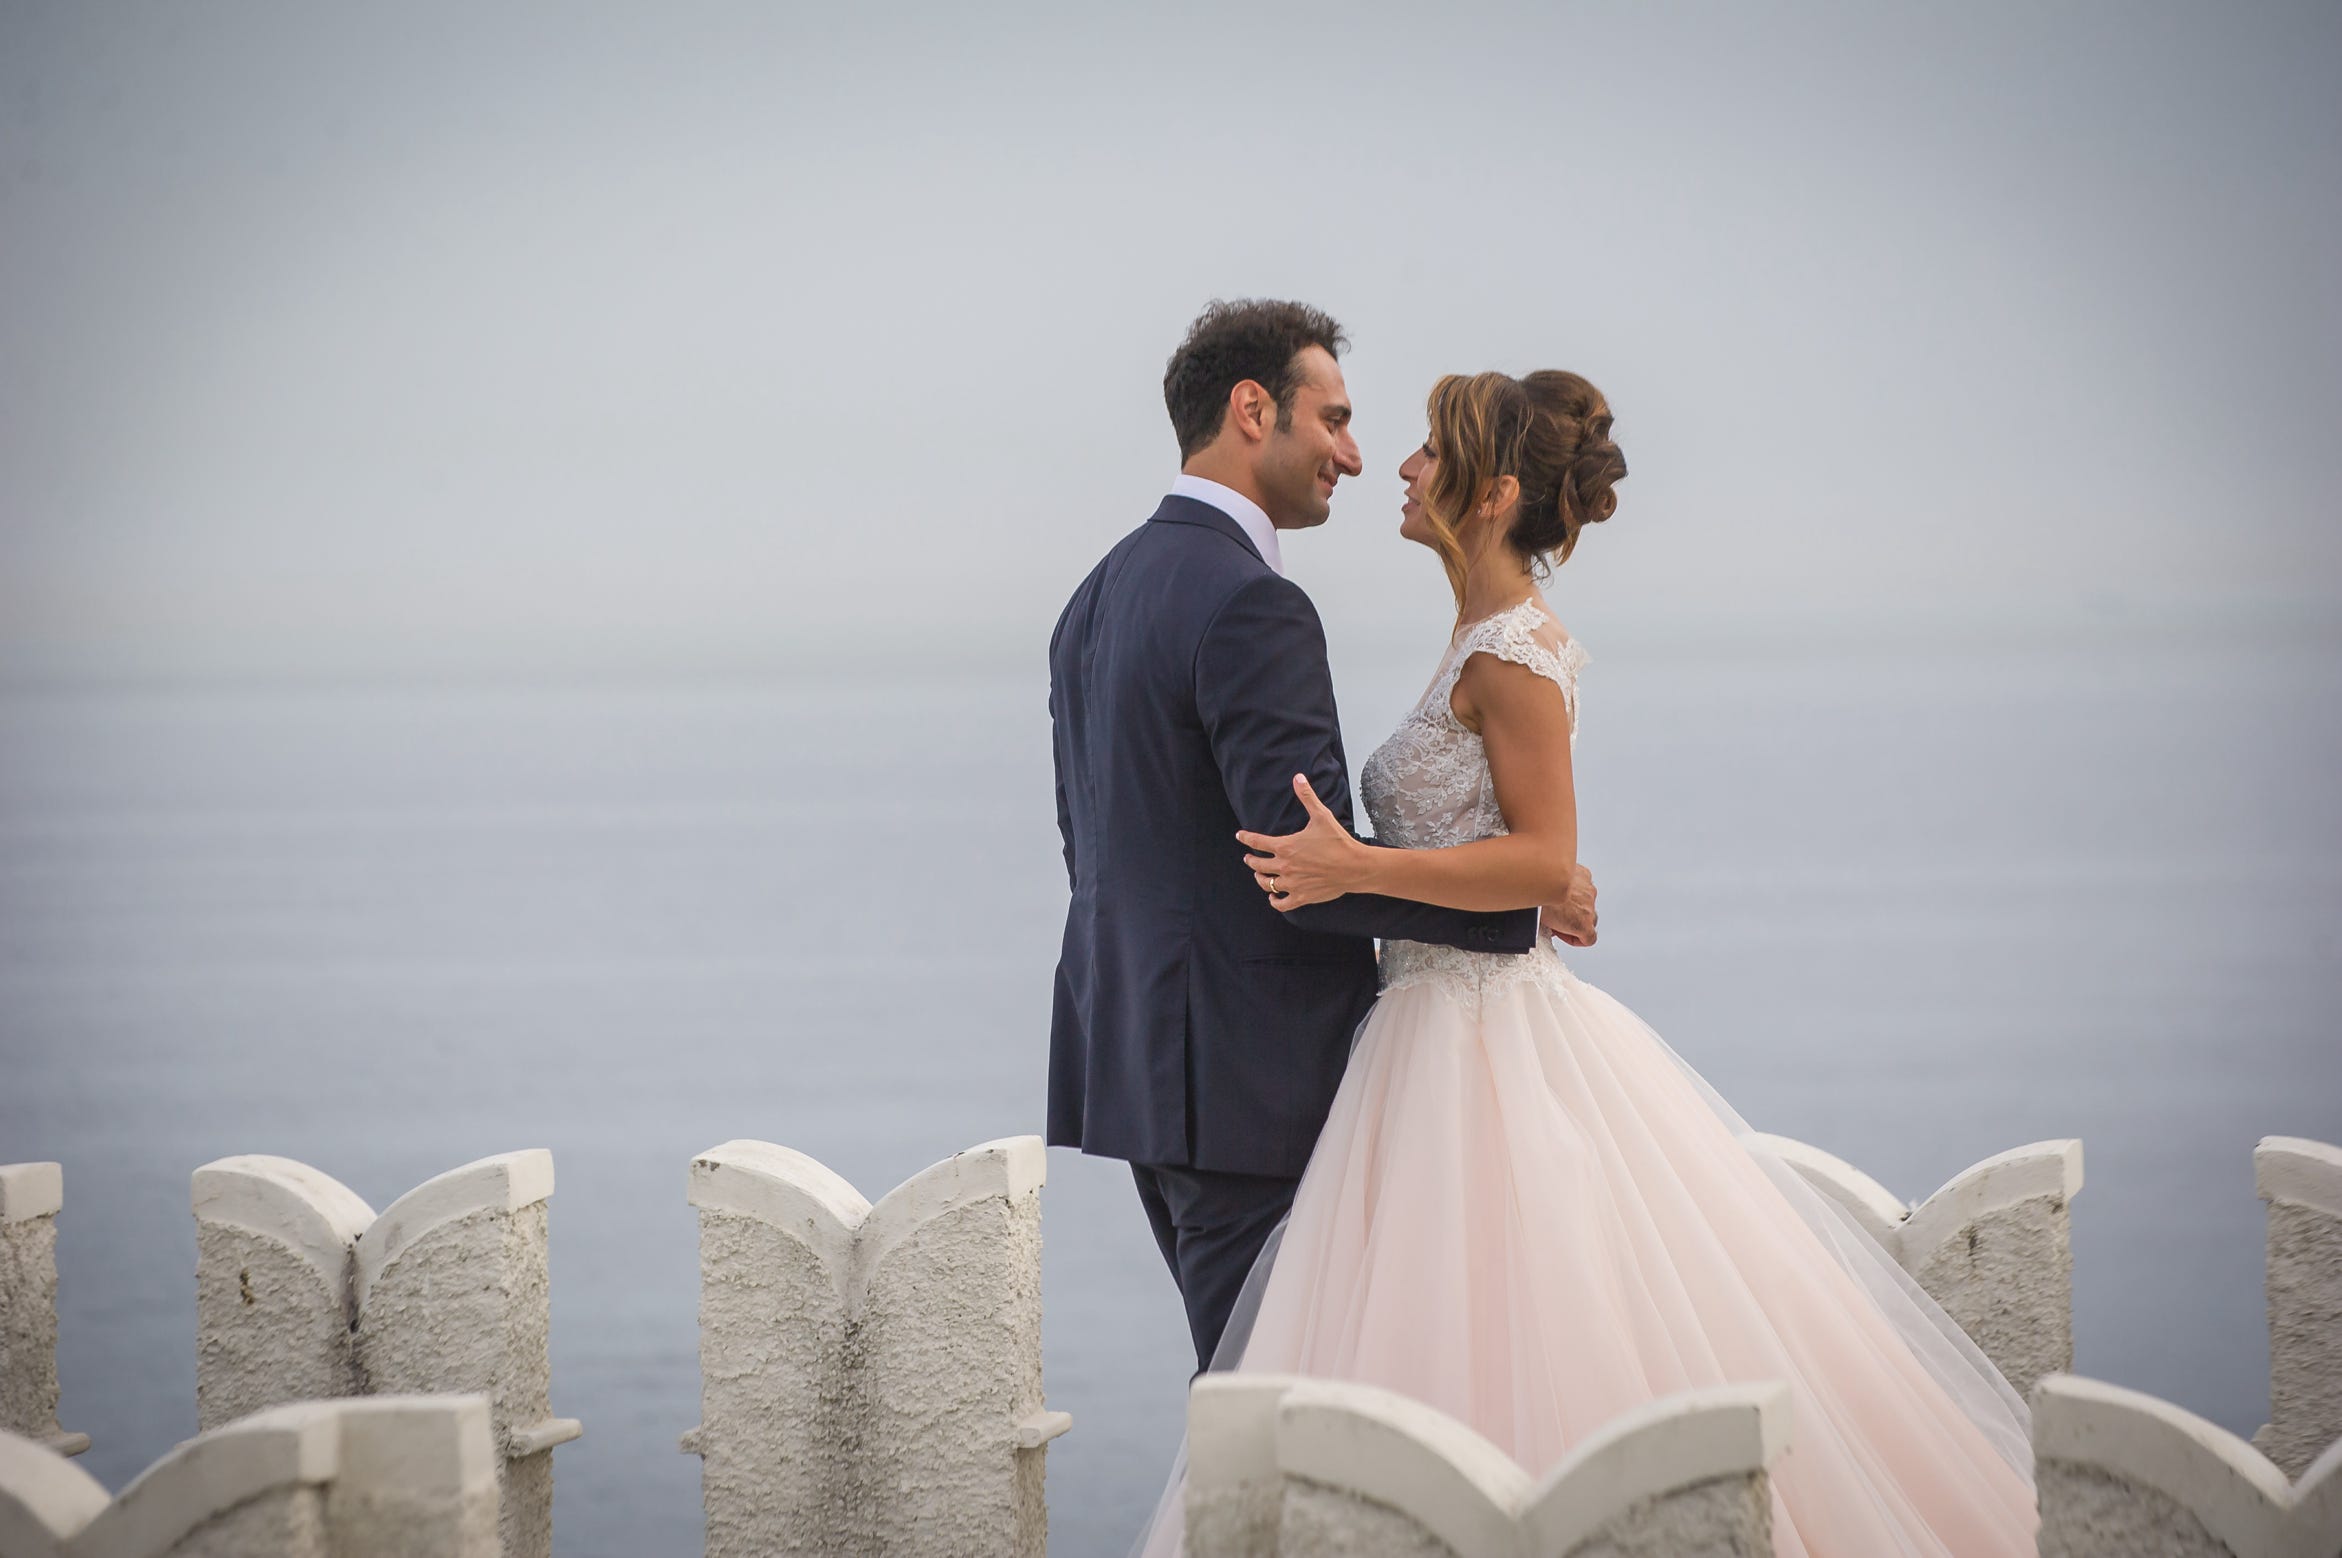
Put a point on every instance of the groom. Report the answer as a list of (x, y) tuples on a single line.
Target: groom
[(1197, 1032)]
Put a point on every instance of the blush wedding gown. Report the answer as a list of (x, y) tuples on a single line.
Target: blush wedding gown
[(1527, 1211)]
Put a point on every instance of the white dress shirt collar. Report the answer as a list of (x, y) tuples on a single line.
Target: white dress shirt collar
[(1237, 507)]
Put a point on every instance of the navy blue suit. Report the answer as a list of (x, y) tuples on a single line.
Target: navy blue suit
[(1197, 1032)]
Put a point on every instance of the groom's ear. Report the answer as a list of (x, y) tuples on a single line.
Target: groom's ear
[(1252, 410)]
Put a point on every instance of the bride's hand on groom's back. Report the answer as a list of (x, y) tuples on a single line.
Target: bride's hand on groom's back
[(1573, 918), (1320, 863)]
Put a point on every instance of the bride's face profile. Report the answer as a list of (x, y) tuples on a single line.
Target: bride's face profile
[(1419, 470), (1415, 471)]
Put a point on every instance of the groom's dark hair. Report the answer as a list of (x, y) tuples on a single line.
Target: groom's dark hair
[(1259, 339)]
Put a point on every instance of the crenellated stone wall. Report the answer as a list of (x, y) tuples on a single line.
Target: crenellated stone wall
[(871, 1382), (2122, 1473), (1994, 1246), (1285, 1467), (302, 1293), (389, 1477), (2302, 1182), (871, 1375), (31, 1196), (276, 1249)]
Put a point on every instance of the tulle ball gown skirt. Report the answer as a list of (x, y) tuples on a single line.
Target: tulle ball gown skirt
[(1527, 1211)]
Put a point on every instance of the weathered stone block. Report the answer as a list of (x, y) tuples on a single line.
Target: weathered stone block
[(391, 1477), (1235, 1491), (871, 1376), (31, 1195), (303, 1293), (2125, 1475), (1359, 1470), (1994, 1246), (2302, 1183), (276, 1246)]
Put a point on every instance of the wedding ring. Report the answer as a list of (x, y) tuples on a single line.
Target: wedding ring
[(1273, 893)]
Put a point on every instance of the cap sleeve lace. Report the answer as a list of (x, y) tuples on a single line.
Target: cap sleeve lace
[(1524, 635)]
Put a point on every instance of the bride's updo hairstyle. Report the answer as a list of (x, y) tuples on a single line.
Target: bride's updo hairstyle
[(1549, 431)]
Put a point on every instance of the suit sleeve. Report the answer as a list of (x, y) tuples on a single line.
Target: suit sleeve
[(1057, 762), (1266, 698), (1064, 826)]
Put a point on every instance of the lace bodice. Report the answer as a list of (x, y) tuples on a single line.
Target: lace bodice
[(1428, 786)]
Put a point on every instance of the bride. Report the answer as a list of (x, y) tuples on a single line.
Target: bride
[(1525, 1209)]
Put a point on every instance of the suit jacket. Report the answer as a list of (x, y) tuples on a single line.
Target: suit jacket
[(1194, 1025)]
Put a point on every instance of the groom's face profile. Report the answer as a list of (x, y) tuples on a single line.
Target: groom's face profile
[(1303, 453)]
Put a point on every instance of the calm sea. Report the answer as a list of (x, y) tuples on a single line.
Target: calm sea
[(1914, 908)]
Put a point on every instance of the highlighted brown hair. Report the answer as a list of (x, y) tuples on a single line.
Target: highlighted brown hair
[(1549, 431)]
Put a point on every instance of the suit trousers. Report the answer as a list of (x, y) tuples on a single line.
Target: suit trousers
[(1210, 1227)]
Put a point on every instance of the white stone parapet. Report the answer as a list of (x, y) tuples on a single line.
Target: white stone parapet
[(870, 1377), (276, 1247), (2302, 1183), (303, 1293), (390, 1477), (2122, 1474), (31, 1195), (1994, 1246), (1281, 1467)]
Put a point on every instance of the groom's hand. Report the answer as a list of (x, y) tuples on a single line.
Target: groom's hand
[(1573, 918), (1320, 863)]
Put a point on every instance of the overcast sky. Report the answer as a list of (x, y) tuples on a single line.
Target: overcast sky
[(497, 338)]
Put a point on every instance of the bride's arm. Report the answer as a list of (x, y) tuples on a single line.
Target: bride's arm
[(1265, 698), (1524, 724)]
